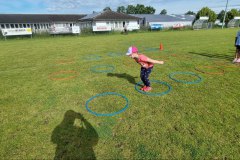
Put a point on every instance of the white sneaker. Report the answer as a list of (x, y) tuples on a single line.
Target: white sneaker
[(234, 61), (238, 60)]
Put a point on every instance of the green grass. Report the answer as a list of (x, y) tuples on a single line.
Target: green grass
[(43, 118)]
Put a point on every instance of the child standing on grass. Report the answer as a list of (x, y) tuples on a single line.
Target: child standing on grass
[(146, 66), (237, 45)]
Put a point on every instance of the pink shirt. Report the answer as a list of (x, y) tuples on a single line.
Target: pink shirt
[(142, 59)]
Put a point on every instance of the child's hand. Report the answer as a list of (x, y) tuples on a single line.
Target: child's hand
[(144, 65)]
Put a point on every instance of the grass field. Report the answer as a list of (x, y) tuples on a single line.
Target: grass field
[(45, 84)]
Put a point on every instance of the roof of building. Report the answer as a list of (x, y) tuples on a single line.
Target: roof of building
[(109, 15), (39, 18), (164, 18), (184, 17)]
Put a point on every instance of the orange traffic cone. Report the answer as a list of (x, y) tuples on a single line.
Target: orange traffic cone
[(161, 46)]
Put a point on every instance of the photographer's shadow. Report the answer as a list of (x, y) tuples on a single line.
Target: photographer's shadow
[(126, 76), (74, 141)]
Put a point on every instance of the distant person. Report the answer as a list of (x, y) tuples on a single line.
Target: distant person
[(125, 29), (237, 45), (146, 66)]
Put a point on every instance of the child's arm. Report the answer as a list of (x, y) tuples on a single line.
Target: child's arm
[(154, 61)]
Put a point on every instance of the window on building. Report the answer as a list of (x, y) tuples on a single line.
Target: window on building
[(24, 26), (20, 26), (28, 25), (2, 26), (12, 26), (120, 24), (16, 25), (7, 26)]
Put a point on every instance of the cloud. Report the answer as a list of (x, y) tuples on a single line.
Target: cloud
[(55, 5)]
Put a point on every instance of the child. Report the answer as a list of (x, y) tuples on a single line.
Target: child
[(237, 45), (146, 66)]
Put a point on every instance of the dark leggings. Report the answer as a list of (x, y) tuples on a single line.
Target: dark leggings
[(145, 74)]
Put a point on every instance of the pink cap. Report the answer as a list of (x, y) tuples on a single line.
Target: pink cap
[(131, 50)]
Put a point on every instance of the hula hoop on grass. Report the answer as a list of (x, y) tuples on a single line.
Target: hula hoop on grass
[(92, 57), (154, 94), (212, 73), (227, 64), (70, 61), (95, 69), (151, 49), (107, 114), (112, 54), (171, 76), (63, 72)]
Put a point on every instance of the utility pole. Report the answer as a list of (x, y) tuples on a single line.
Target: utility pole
[(225, 14)]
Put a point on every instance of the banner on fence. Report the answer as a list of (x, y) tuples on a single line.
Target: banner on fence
[(16, 31)]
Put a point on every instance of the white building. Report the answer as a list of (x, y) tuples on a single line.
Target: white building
[(167, 21), (38, 22), (109, 20)]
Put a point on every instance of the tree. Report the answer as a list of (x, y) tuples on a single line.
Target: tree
[(221, 16), (107, 9), (139, 9), (149, 10), (207, 12), (163, 12), (190, 13), (231, 14), (121, 9), (130, 9)]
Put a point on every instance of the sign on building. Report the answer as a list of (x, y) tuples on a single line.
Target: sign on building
[(101, 28), (16, 32), (156, 26), (64, 30), (204, 18), (76, 30), (178, 25), (60, 30)]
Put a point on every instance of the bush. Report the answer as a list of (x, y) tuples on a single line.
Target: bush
[(86, 31)]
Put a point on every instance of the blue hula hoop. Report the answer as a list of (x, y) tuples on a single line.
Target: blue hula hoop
[(112, 54), (94, 69), (151, 49), (154, 94), (92, 57), (107, 114), (171, 76)]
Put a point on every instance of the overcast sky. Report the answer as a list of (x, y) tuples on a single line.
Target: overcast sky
[(88, 6)]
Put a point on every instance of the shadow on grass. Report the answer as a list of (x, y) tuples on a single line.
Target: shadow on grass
[(74, 141), (126, 76), (215, 55)]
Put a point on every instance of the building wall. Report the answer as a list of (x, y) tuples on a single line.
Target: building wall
[(36, 27), (171, 24), (115, 25)]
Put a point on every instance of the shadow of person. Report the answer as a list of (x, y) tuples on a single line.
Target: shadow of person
[(214, 55), (74, 141), (126, 76)]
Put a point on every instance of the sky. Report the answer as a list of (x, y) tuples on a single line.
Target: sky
[(88, 6)]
